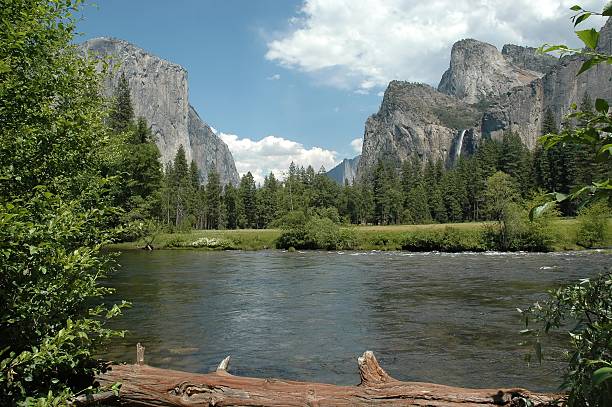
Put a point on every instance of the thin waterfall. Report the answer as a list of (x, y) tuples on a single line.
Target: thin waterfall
[(459, 145)]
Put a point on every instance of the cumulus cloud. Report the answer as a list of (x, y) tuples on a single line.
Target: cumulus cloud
[(362, 45), (357, 144), (275, 154), (274, 77)]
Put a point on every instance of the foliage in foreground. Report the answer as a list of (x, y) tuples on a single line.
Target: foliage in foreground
[(587, 304), (52, 207), (587, 307)]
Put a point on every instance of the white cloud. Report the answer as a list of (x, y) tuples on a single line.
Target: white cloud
[(357, 145), (362, 45), (274, 77), (275, 154)]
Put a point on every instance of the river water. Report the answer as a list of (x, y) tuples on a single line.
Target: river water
[(445, 318)]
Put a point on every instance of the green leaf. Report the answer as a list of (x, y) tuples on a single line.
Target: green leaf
[(576, 8), (589, 37), (601, 375), (588, 64), (546, 48), (601, 105), (4, 67), (538, 211), (581, 18), (607, 11)]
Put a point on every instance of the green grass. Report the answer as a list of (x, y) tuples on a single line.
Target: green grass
[(367, 237)]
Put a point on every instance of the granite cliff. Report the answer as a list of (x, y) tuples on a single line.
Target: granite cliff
[(521, 110), (160, 93), (483, 94), (346, 171), (416, 119)]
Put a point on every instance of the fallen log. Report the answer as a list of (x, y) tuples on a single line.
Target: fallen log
[(144, 385)]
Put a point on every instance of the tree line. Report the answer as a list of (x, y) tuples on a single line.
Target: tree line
[(412, 193)]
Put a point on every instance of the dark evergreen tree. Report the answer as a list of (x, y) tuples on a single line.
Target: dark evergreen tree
[(181, 184), (230, 201), (248, 201), (122, 113), (213, 200), (268, 206)]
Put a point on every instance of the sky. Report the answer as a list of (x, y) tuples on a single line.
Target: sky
[(295, 80)]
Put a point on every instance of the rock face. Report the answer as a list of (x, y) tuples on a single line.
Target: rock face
[(479, 72), (483, 94), (209, 151), (521, 110), (160, 94), (416, 119), (528, 58), (346, 171)]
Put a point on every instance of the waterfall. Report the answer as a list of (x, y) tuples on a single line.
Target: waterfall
[(459, 145)]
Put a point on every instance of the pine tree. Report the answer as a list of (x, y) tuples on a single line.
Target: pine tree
[(246, 191), (213, 200), (516, 161), (167, 193), (436, 205), (268, 201), (230, 198), (122, 112), (416, 204), (180, 185)]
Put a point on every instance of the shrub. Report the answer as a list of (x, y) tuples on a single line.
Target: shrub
[(519, 233), (457, 240), (587, 308), (292, 238), (447, 240), (422, 241), (290, 220), (593, 225), (212, 243), (53, 212), (322, 233), (317, 233), (347, 239)]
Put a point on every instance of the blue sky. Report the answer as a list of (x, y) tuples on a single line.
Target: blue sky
[(233, 86), (300, 77)]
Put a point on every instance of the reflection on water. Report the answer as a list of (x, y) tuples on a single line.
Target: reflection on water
[(446, 318)]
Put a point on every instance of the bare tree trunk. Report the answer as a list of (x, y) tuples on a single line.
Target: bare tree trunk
[(144, 385)]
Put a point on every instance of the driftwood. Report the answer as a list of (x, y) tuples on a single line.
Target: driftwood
[(144, 385)]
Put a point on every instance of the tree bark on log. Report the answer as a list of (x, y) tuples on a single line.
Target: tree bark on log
[(148, 386)]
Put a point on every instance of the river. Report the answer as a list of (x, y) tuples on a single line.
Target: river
[(445, 318)]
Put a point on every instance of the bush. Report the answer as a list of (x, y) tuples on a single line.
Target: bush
[(347, 239), (212, 243), (53, 215), (587, 308), (290, 220), (322, 233), (447, 240), (330, 213), (520, 233), (593, 225), (317, 233), (422, 241), (456, 240)]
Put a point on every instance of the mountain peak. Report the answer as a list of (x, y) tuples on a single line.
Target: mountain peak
[(160, 93)]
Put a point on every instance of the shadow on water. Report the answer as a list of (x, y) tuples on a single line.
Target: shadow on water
[(447, 318)]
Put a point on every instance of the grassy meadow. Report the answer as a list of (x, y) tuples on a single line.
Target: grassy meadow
[(391, 237)]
